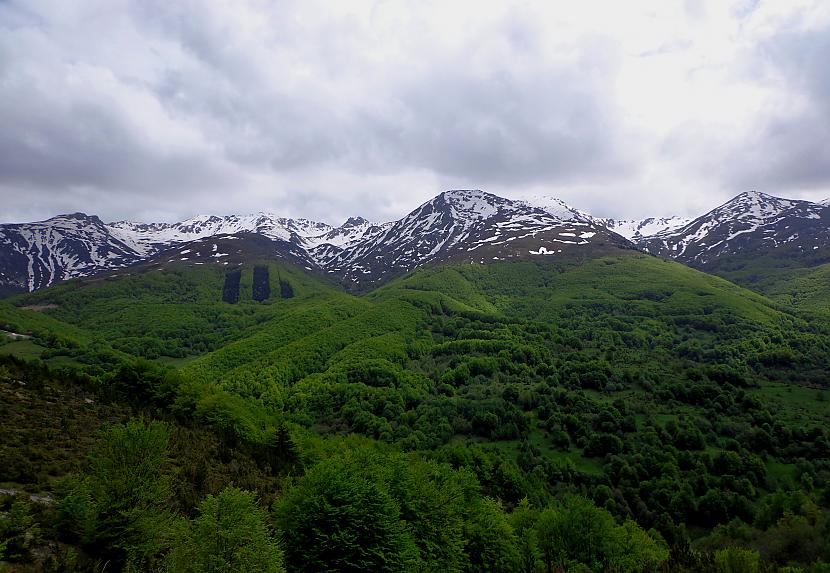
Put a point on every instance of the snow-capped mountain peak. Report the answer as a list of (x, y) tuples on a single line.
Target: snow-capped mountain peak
[(470, 203), (354, 222), (35, 255), (148, 238), (320, 240), (632, 229), (760, 208), (462, 225), (335, 239), (750, 221)]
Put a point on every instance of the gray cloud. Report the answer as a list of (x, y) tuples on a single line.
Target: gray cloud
[(790, 148), (159, 109), (546, 125)]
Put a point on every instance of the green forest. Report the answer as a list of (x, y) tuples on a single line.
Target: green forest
[(619, 414)]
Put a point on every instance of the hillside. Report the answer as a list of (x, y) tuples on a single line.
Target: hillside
[(754, 239), (666, 395), (173, 310)]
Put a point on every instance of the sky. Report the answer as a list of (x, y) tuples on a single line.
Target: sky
[(153, 110)]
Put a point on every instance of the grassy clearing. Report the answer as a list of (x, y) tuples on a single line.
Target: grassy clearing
[(796, 402), (22, 349)]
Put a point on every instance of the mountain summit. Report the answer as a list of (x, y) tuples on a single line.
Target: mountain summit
[(469, 226), (751, 222)]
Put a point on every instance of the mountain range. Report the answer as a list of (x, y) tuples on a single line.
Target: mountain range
[(455, 226)]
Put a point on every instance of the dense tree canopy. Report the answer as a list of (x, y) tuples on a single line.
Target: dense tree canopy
[(622, 414)]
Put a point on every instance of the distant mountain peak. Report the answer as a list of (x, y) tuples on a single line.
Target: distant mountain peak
[(469, 202), (465, 193), (354, 222), (750, 222), (471, 226), (754, 193), (76, 215)]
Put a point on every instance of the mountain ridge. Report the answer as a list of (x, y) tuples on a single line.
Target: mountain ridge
[(358, 251), (456, 225)]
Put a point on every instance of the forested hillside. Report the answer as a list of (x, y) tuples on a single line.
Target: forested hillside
[(799, 283), (622, 413)]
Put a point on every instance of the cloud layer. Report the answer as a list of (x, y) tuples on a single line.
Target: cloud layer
[(160, 110)]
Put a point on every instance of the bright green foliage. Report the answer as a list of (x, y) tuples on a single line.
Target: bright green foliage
[(432, 500), (737, 561), (230, 534), (523, 520), (383, 509), (670, 398), (337, 520), (77, 509), (636, 550), (174, 312), (41, 325), (787, 275), (492, 545)]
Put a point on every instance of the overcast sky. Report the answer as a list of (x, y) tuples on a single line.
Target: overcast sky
[(158, 110)]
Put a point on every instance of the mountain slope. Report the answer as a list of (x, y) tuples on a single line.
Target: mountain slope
[(771, 245), (683, 394), (35, 255), (459, 226), (631, 229), (151, 238), (172, 309), (154, 237), (556, 207), (751, 223), (806, 288), (750, 237), (470, 226)]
